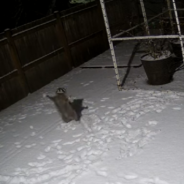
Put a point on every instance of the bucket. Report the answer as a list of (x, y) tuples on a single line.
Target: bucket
[(159, 71)]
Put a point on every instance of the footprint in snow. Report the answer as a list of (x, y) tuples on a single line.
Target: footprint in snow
[(159, 110), (77, 135), (57, 141), (107, 112), (61, 157), (152, 122), (127, 176), (102, 173), (88, 102), (30, 146), (41, 156), (152, 181), (48, 149), (87, 84), (104, 99), (116, 110), (18, 146), (1, 146), (22, 117), (81, 148), (92, 110), (37, 164), (176, 108), (16, 135), (127, 125), (130, 176), (33, 134), (110, 107)]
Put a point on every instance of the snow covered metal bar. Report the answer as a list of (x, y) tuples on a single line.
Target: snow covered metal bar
[(134, 27), (170, 16), (102, 4), (145, 17), (178, 26), (146, 37)]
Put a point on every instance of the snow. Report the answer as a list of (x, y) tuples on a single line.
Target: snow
[(164, 55), (124, 137)]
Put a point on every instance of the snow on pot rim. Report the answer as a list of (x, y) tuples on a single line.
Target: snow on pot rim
[(164, 55)]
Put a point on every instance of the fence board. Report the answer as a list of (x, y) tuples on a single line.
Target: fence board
[(81, 25), (10, 92), (37, 44), (5, 60), (45, 72), (16, 62), (119, 13), (86, 50)]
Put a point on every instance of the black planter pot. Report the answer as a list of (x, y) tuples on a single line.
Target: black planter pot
[(160, 71)]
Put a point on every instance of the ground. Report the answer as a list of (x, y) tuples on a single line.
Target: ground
[(124, 137)]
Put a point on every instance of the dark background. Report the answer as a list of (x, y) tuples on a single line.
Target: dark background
[(14, 13)]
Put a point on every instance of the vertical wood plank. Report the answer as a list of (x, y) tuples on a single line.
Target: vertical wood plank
[(63, 39), (16, 61)]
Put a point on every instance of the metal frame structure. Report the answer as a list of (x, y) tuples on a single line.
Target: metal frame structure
[(145, 23)]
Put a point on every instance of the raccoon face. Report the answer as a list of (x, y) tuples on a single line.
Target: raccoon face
[(60, 90)]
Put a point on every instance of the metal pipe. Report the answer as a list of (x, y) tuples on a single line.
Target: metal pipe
[(146, 37), (179, 28), (102, 4), (145, 17)]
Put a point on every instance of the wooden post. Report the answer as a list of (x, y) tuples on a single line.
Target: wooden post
[(16, 62), (102, 24), (63, 39)]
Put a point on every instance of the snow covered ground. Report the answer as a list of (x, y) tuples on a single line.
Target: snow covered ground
[(134, 136)]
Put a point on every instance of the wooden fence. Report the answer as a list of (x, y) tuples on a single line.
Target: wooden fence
[(33, 55)]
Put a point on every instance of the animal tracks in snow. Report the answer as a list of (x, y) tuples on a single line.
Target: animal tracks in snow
[(76, 149)]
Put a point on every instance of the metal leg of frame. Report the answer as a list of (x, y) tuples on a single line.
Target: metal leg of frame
[(179, 28), (145, 17), (110, 43)]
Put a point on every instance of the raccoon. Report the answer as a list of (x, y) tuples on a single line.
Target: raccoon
[(64, 106)]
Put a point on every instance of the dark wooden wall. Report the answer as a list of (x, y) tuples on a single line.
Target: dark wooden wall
[(33, 55)]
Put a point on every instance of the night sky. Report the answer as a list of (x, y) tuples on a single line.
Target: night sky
[(14, 13)]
